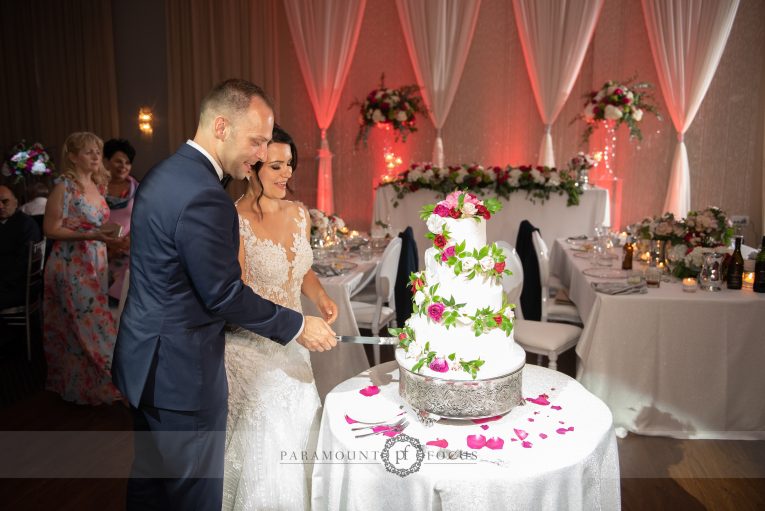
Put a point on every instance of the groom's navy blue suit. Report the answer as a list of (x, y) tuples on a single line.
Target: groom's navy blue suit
[(185, 284)]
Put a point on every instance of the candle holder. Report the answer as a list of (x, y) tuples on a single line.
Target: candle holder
[(690, 285)]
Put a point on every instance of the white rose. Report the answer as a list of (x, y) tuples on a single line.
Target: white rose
[(21, 155), (589, 111), (428, 174), (554, 180), (612, 113), (435, 224), (401, 116), (515, 177), (469, 263), (487, 263), (414, 175), (537, 176), (379, 94), (599, 95), (419, 297), (38, 167), (415, 350), (461, 174), (612, 89), (377, 116), (637, 114), (469, 209), (491, 175)]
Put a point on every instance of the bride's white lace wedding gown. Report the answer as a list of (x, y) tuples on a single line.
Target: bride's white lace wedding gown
[(273, 406)]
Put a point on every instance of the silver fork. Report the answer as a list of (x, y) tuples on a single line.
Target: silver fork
[(398, 429), (382, 423)]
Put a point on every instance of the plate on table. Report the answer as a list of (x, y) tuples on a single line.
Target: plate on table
[(606, 273), (591, 255), (333, 268)]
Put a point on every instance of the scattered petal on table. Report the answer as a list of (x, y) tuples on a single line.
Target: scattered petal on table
[(370, 391), (555, 407), (527, 445), (440, 442), (484, 427), (495, 443), (476, 441), (530, 419), (378, 429), (487, 419), (513, 439), (542, 436), (392, 433), (350, 421), (541, 400), (521, 434), (563, 431)]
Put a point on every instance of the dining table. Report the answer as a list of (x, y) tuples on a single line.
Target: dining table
[(342, 275), (674, 361), (557, 450)]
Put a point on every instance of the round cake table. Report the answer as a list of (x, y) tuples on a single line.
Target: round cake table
[(557, 451)]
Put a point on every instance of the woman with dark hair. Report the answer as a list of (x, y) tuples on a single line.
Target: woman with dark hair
[(118, 160), (78, 330), (273, 403)]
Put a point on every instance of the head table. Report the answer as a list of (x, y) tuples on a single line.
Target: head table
[(669, 362), (553, 217), (558, 451)]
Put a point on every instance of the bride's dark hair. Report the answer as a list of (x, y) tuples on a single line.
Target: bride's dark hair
[(279, 137)]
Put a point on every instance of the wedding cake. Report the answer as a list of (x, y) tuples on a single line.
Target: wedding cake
[(461, 326)]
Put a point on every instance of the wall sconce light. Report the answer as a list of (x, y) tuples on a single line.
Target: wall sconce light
[(145, 118)]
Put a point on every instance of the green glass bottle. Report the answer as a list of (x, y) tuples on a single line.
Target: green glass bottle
[(759, 270), (736, 267)]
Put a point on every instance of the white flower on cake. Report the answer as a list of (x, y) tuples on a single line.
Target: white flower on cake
[(469, 209), (469, 263), (435, 224), (419, 298), (487, 263)]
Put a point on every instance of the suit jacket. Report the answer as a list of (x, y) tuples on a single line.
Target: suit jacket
[(531, 295), (407, 264), (185, 284), (15, 235)]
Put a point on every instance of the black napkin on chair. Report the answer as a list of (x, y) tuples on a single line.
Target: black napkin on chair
[(531, 296), (407, 263)]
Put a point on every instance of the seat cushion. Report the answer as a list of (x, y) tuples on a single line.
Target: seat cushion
[(548, 337), (563, 312)]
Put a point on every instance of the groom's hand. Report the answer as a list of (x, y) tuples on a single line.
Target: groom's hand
[(317, 335)]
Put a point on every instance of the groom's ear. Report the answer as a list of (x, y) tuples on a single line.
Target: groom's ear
[(221, 127)]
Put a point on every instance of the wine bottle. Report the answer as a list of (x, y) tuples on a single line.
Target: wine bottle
[(736, 267), (759, 270), (629, 251)]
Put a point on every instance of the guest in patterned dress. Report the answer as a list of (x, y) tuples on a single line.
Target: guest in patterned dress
[(118, 159), (79, 331)]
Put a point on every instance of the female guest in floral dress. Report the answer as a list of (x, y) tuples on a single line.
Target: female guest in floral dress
[(79, 331), (118, 159)]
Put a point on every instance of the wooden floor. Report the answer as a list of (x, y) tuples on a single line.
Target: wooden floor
[(55, 455)]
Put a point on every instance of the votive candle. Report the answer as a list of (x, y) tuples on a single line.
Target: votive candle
[(748, 279), (690, 285)]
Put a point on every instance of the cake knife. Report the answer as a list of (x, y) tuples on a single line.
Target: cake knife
[(358, 339)]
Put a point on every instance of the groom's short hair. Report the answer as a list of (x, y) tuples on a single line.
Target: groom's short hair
[(231, 97)]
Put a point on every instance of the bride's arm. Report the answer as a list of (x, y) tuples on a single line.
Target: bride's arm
[(313, 289)]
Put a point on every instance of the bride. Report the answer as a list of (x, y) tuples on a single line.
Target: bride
[(273, 404)]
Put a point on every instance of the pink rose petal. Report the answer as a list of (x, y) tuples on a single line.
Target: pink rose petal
[(484, 427), (521, 434), (370, 391), (379, 429), (391, 433), (526, 445), (536, 413), (438, 443), (513, 439), (561, 422), (495, 443), (555, 407), (350, 421), (541, 400), (542, 436), (530, 419), (476, 441), (563, 431), (487, 419)]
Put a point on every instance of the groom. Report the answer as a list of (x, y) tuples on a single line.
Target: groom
[(185, 284)]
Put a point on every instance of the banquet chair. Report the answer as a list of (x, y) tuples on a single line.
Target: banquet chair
[(22, 314), (540, 338), (551, 311), (123, 297), (381, 310)]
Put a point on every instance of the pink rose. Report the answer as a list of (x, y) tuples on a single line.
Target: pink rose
[(449, 251), (436, 311), (499, 267), (441, 210), (439, 364), (439, 241)]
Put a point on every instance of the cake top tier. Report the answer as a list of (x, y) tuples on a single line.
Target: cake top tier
[(461, 215)]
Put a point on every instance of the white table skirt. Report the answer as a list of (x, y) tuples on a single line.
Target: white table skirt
[(671, 363), (572, 462), (345, 360), (553, 218)]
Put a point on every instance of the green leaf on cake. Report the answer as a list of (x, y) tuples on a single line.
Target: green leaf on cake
[(452, 357), (426, 211), (493, 205)]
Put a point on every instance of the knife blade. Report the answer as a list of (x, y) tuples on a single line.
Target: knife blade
[(358, 339)]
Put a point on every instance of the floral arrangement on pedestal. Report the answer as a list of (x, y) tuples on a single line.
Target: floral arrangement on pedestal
[(538, 182), (617, 103), (28, 160), (690, 238), (391, 108)]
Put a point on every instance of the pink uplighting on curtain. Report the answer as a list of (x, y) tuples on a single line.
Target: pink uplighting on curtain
[(325, 33)]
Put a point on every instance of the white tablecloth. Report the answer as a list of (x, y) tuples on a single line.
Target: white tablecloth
[(671, 363), (553, 218), (570, 460), (345, 360)]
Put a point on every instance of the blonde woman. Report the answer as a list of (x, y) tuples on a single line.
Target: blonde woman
[(79, 331)]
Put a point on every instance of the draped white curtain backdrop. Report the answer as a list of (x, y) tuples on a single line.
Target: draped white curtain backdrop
[(325, 33), (687, 40), (438, 34), (554, 36)]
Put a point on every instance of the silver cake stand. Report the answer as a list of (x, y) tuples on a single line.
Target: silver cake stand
[(434, 398)]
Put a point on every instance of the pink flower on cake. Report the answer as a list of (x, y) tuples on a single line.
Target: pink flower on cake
[(435, 311), (441, 210), (499, 267), (439, 241), (439, 364), (498, 319), (454, 213), (447, 253), (483, 212)]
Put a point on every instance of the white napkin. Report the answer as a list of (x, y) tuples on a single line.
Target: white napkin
[(619, 288)]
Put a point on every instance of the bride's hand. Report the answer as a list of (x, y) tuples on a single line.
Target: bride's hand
[(317, 335), (328, 309)]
